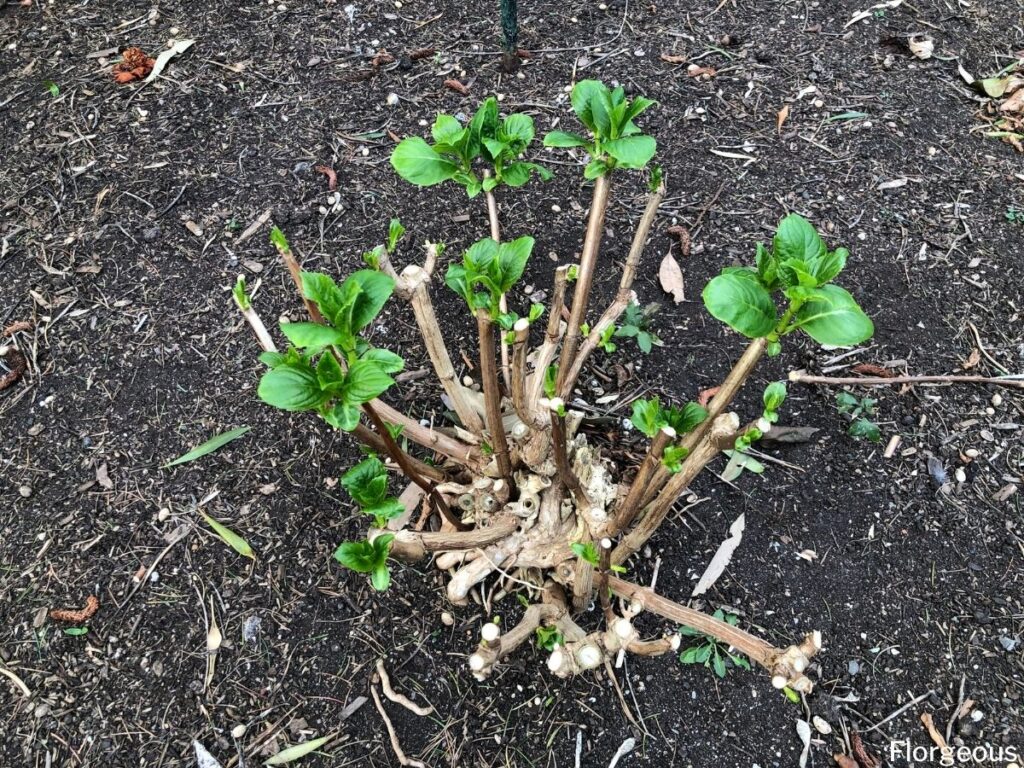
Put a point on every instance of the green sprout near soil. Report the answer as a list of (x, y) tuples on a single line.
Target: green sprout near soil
[(857, 409), (710, 652), (512, 485)]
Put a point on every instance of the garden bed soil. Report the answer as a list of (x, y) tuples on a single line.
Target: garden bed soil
[(121, 214)]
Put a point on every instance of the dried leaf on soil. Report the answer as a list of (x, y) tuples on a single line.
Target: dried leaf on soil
[(209, 446), (291, 754), (203, 757), (456, 86), (844, 762), (165, 56), (229, 537), (670, 275), (803, 730), (781, 118), (921, 46), (721, 559), (673, 58)]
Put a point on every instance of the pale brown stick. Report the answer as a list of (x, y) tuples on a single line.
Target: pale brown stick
[(255, 322), (411, 546), (522, 332), (395, 745), (799, 377), (546, 351), (754, 647), (621, 300), (492, 397), (656, 512), (631, 504), (414, 280), (296, 272), (588, 262), (399, 698)]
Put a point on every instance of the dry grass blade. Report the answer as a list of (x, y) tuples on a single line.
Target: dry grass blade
[(208, 447), (229, 537)]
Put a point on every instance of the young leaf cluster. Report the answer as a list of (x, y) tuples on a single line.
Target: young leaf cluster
[(774, 396), (548, 638), (310, 375), (498, 143), (615, 140), (367, 484), (858, 409), (495, 267), (368, 557), (711, 653), (799, 267), (649, 417), (395, 232), (636, 324)]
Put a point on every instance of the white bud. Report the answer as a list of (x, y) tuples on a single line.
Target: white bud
[(521, 324), (555, 660), (589, 656), (674, 642), (623, 628), (763, 424), (476, 662), (490, 632), (779, 681), (800, 663)]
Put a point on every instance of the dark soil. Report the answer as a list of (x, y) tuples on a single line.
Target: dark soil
[(136, 354)]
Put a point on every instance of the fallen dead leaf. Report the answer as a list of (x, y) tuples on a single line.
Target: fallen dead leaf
[(673, 58), (781, 118), (721, 559), (844, 762), (684, 237), (332, 177), (694, 70), (103, 478), (1015, 103), (670, 275), (870, 369), (456, 86), (165, 56), (972, 359)]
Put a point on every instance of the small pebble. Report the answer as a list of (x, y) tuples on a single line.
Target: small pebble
[(25, 491), (971, 453), (238, 731), (556, 208), (997, 399), (447, 619), (392, 99)]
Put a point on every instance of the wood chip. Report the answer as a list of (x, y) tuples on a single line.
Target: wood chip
[(456, 86)]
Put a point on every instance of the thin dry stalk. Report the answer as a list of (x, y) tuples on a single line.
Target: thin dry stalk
[(585, 278), (492, 217), (256, 323), (631, 504), (492, 397), (399, 698), (799, 377), (415, 280), (395, 745), (622, 296), (546, 352), (522, 332)]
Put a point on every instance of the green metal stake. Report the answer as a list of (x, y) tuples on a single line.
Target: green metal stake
[(510, 35)]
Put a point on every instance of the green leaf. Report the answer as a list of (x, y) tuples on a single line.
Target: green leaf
[(297, 751), (395, 232), (685, 419), (796, 238), (517, 127), (583, 97), (447, 130), (767, 267), (846, 402), (656, 179), (551, 381), (564, 139), (358, 556), (278, 240), (718, 664), (367, 482), (742, 303), (229, 537), (586, 552), (365, 381), (292, 388), (832, 316), (645, 416), (311, 335), (209, 446), (594, 169), (380, 578), (830, 265), (323, 291), (512, 257), (689, 656), (76, 631), (774, 395), (672, 457), (386, 510), (645, 341), (52, 87), (376, 289), (796, 272), (344, 416), (740, 661), (457, 279), (864, 428), (704, 653), (239, 294), (632, 151), (516, 174), (536, 310), (495, 148), (483, 125), (388, 361), (417, 162)]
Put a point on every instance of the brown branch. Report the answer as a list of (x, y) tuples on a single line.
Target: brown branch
[(656, 512), (621, 300), (629, 507), (492, 217), (585, 278), (546, 351), (492, 397), (550, 611), (559, 446), (522, 332), (799, 377), (786, 665), (411, 546)]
